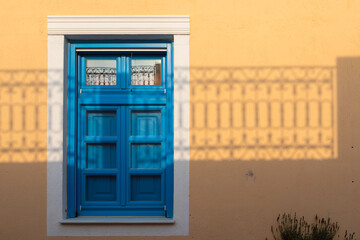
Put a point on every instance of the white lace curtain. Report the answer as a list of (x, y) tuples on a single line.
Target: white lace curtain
[(140, 75), (143, 75), (100, 76)]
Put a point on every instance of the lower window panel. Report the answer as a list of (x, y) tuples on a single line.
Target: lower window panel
[(100, 188), (146, 188), (122, 166), (122, 211)]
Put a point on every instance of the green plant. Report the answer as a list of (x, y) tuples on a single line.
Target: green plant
[(323, 229), (290, 227)]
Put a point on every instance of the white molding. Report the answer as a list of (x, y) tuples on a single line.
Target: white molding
[(56, 112), (80, 25)]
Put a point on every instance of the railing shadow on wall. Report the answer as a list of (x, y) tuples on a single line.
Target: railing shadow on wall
[(23, 114), (263, 113), (242, 113)]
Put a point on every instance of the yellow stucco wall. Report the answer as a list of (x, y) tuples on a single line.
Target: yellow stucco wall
[(238, 51)]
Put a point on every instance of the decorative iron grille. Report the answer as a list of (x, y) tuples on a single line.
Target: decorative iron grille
[(100, 76), (143, 75)]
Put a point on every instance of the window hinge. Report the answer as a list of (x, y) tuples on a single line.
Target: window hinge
[(80, 91), (164, 207), (164, 90), (80, 207)]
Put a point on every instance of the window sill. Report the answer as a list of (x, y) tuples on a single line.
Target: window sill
[(118, 220)]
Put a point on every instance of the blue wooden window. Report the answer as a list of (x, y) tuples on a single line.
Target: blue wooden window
[(120, 129)]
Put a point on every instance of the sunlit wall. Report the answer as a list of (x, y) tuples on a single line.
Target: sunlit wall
[(274, 96)]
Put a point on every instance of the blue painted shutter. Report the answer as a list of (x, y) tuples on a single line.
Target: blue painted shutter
[(124, 163), (147, 161)]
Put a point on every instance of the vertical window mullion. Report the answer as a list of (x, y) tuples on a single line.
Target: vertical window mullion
[(119, 182), (118, 72), (123, 142), (120, 134), (81, 157), (127, 153), (127, 78), (122, 70), (126, 133)]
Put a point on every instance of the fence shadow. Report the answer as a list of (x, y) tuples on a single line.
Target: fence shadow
[(263, 113), (244, 113), (236, 114)]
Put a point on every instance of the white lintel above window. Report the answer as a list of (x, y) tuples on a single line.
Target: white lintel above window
[(155, 24)]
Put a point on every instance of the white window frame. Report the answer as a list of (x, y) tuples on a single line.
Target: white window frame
[(64, 28)]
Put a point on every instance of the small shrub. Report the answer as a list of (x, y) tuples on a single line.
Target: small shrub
[(290, 227)]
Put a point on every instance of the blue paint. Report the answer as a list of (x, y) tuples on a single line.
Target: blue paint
[(101, 155), (101, 123), (123, 155), (146, 156), (146, 188), (121, 44), (119, 138), (100, 188), (71, 133), (145, 123)]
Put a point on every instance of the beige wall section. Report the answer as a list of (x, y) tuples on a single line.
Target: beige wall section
[(233, 195)]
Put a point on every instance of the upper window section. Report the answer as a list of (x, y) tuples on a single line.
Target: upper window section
[(146, 72), (101, 72), (122, 70)]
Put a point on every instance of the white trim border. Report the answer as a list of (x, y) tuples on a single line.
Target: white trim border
[(59, 30), (118, 25)]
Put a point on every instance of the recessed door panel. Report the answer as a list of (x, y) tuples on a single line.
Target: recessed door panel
[(146, 123), (100, 188), (146, 156), (146, 188), (101, 155), (101, 123)]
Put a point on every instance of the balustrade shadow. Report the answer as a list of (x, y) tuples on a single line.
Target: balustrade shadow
[(250, 127), (244, 113), (263, 113)]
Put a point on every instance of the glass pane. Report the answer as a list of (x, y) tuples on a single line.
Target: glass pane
[(101, 155), (101, 123), (100, 188), (146, 188), (145, 72), (146, 155), (101, 72), (145, 123)]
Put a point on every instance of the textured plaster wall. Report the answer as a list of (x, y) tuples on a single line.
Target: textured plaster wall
[(233, 195)]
